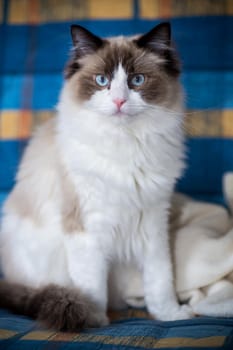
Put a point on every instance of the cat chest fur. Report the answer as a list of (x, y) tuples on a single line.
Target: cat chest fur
[(115, 191)]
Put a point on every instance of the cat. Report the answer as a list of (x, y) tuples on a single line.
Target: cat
[(93, 189)]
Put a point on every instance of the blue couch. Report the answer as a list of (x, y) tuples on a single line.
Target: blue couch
[(34, 44)]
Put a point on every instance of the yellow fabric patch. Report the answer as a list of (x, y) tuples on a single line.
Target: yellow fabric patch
[(39, 11), (25, 124), (15, 124), (5, 333), (60, 10), (9, 125), (36, 11), (181, 8), (18, 11), (208, 123), (149, 8), (23, 11), (229, 7), (215, 341), (60, 336), (19, 124), (110, 9), (227, 123), (38, 335)]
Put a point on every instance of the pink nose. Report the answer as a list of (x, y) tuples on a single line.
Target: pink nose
[(119, 102)]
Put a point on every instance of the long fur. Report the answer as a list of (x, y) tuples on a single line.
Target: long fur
[(56, 307), (93, 189)]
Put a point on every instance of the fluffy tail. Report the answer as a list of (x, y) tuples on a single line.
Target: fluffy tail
[(57, 307)]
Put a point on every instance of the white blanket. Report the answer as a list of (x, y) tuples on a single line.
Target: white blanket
[(202, 247)]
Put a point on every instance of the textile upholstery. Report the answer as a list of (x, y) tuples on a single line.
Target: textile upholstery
[(34, 45)]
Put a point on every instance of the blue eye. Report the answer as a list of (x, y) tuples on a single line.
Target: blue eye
[(138, 80), (101, 80)]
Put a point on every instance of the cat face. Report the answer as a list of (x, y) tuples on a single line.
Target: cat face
[(122, 77)]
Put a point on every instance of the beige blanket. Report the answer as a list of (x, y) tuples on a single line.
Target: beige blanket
[(202, 245)]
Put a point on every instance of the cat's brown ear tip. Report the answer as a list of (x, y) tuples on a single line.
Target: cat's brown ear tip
[(75, 30), (166, 24), (168, 27), (159, 37), (163, 29)]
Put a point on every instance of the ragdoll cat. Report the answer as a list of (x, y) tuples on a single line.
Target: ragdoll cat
[(93, 189)]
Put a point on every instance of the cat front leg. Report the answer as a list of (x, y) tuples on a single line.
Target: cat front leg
[(87, 268), (160, 296)]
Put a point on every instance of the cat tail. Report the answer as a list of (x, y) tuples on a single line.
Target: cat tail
[(56, 307)]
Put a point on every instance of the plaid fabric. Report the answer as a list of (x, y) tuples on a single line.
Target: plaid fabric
[(34, 44), (129, 330)]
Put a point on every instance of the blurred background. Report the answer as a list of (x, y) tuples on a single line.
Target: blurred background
[(34, 46)]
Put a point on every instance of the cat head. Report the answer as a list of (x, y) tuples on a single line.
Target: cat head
[(122, 77)]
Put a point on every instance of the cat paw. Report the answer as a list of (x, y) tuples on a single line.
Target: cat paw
[(184, 312), (179, 312)]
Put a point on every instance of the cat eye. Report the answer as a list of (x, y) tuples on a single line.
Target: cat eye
[(102, 80), (138, 80)]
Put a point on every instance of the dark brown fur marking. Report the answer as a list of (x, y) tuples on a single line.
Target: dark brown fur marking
[(151, 54), (158, 41), (134, 60), (84, 43), (56, 307)]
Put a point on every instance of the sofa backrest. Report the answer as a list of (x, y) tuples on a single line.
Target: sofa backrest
[(34, 45)]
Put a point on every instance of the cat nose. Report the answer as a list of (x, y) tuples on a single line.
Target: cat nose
[(119, 102)]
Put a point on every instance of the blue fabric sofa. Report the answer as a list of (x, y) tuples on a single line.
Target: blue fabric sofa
[(34, 45)]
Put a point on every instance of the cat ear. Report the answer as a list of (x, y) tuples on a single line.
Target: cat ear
[(158, 41), (84, 42)]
